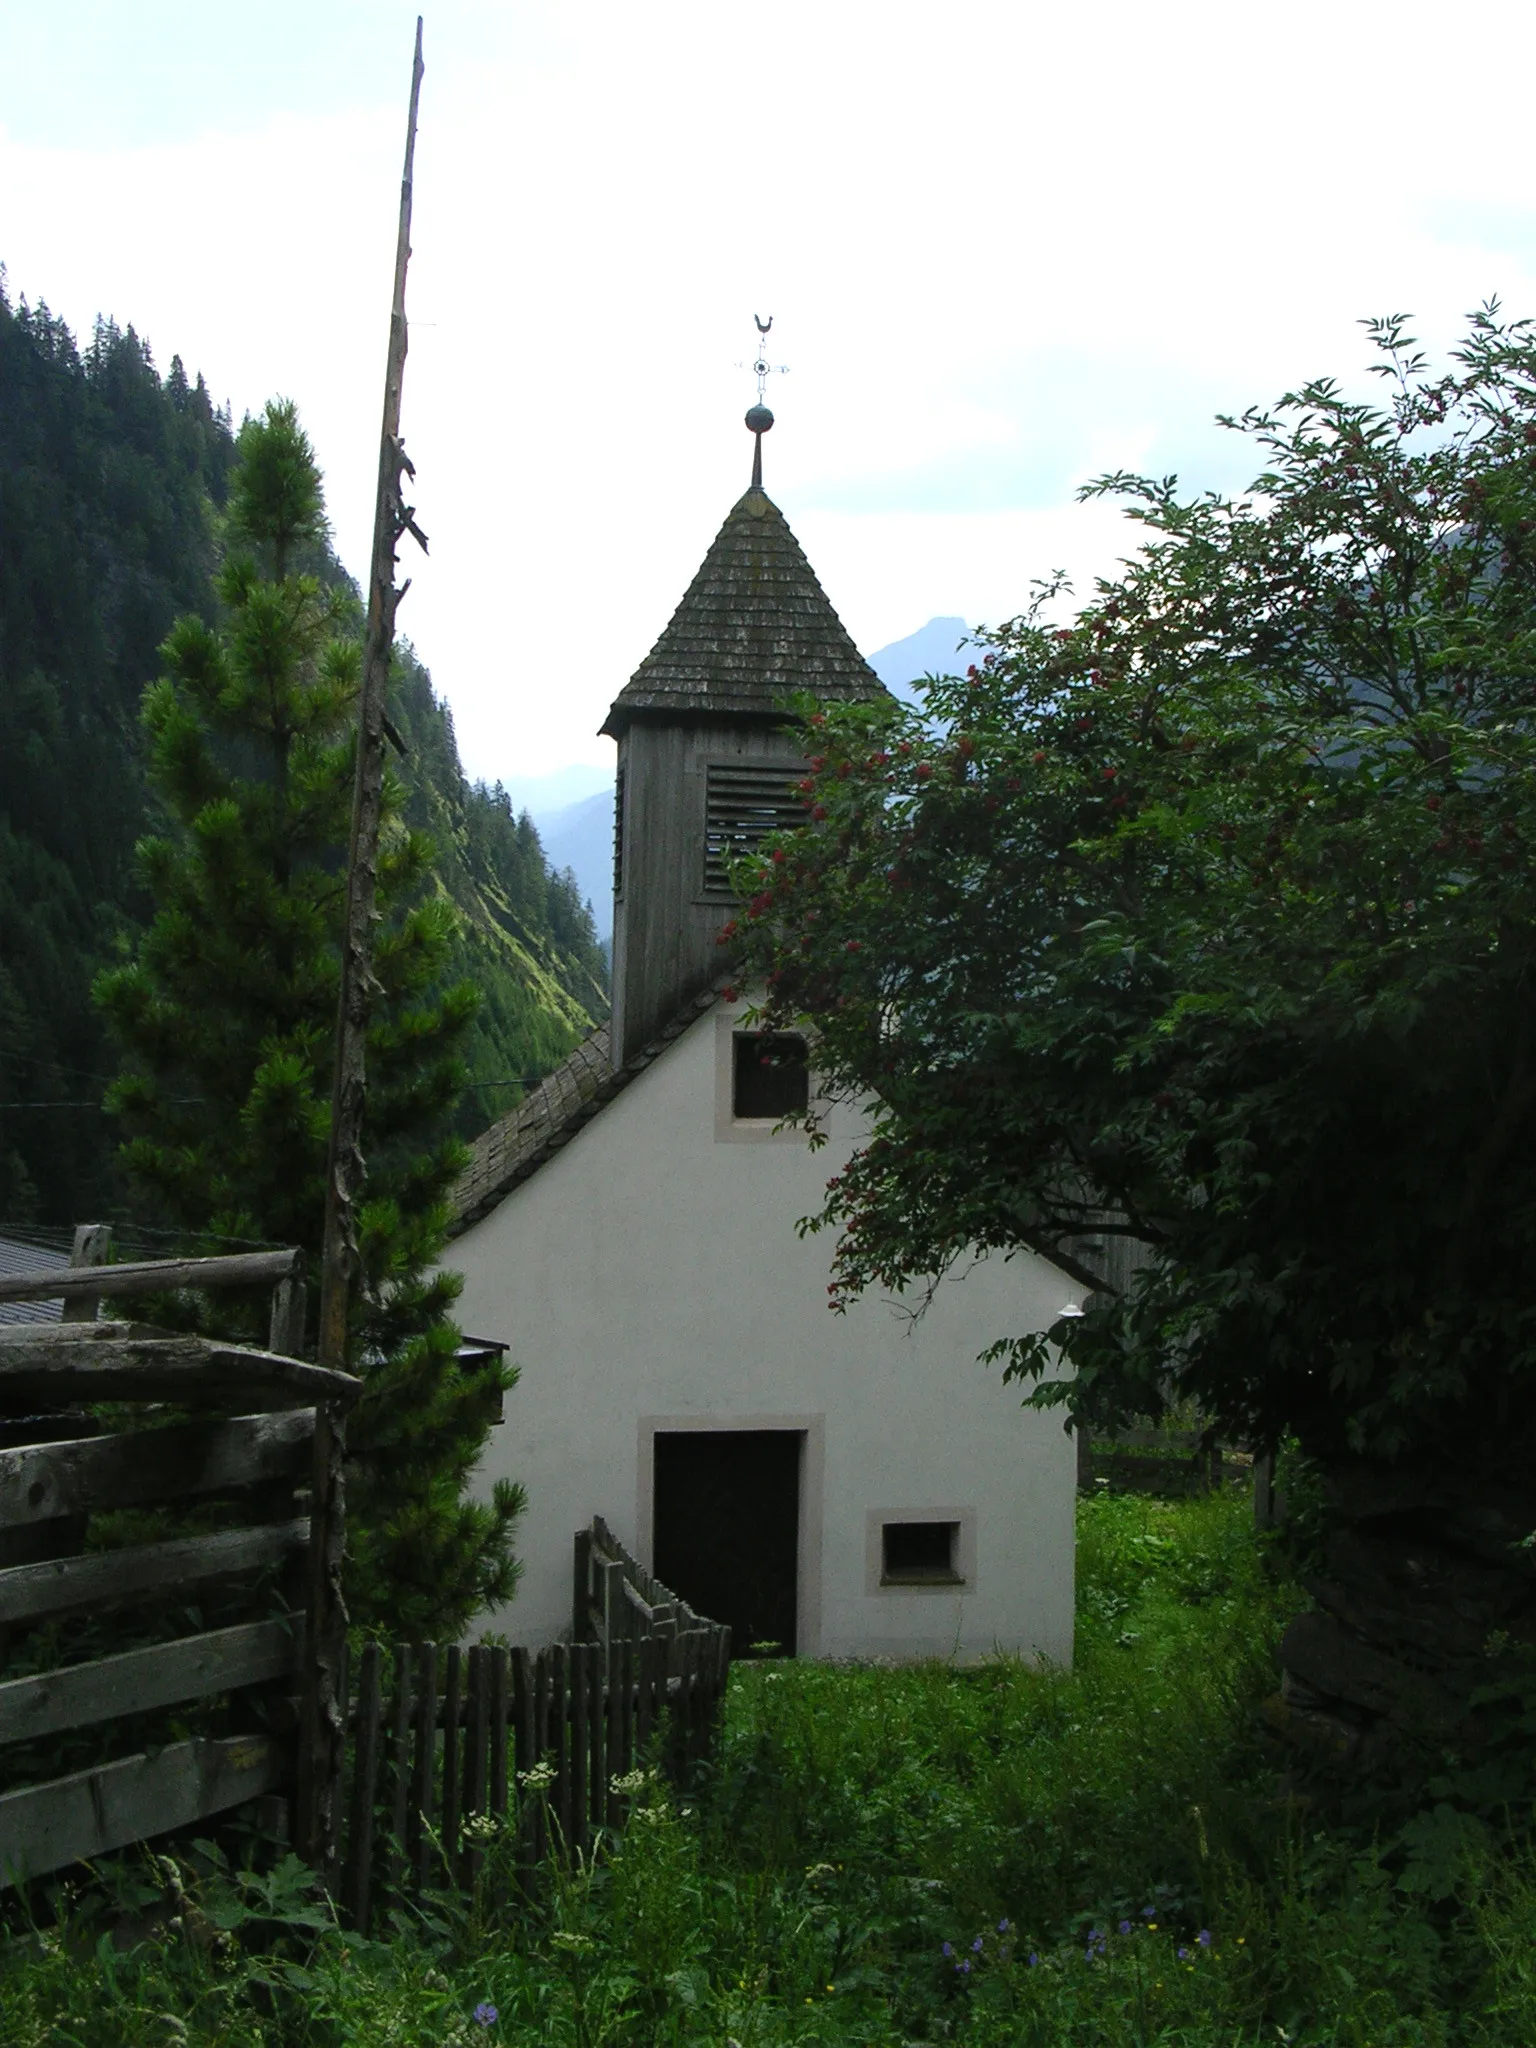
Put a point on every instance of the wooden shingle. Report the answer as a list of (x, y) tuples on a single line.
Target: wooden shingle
[(753, 628)]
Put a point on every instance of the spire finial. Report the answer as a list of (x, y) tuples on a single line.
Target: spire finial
[(759, 418)]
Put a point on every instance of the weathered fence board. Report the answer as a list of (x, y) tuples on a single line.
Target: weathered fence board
[(160, 1675), (453, 1704), (151, 1276), (476, 1735), (90, 1813), (60, 1584), (90, 1362), (501, 1692), (59, 1467), (400, 1763), (41, 1481), (577, 1657), (358, 1883), (419, 1821)]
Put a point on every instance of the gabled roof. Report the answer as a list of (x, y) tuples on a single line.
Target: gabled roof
[(753, 628), (550, 1116)]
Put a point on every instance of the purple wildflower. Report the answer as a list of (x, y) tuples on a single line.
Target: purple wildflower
[(964, 1966), (946, 1950), (976, 1946), (1033, 1959), (1125, 1926), (1204, 1937), (1183, 1955), (1149, 1912), (486, 2013), (1002, 1926)]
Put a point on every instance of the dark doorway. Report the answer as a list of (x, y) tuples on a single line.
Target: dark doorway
[(727, 1530)]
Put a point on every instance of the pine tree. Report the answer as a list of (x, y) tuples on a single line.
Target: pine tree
[(226, 1015)]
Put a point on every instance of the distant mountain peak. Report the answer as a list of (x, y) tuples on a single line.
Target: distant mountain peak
[(935, 649)]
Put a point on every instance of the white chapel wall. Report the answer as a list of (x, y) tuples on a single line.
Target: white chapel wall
[(649, 1274)]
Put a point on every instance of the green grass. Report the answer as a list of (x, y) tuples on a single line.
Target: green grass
[(891, 1855)]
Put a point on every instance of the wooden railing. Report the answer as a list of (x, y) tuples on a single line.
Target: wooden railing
[(455, 1749), (617, 1600), (264, 1444), (1178, 1461), (446, 1749)]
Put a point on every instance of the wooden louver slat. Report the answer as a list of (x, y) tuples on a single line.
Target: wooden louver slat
[(743, 804)]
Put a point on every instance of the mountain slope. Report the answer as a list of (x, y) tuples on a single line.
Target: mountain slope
[(579, 840), (111, 484)]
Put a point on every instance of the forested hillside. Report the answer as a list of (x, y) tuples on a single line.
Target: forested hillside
[(112, 480)]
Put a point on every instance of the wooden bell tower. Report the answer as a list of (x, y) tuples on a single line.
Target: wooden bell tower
[(709, 752)]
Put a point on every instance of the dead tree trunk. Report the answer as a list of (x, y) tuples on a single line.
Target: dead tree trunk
[(322, 1735)]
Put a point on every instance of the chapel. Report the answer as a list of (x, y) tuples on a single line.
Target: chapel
[(854, 1485)]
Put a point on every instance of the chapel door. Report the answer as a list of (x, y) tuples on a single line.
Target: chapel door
[(727, 1530)]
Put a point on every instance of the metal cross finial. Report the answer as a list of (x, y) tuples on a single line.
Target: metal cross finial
[(759, 418), (761, 369)]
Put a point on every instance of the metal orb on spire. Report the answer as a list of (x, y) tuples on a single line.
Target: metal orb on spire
[(759, 418)]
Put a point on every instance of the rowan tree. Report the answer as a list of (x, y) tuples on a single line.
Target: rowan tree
[(1204, 916)]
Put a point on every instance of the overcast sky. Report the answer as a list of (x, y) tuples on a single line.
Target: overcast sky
[(1004, 246)]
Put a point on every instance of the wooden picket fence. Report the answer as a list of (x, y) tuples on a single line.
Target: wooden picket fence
[(452, 1749), (1170, 1461), (266, 1443)]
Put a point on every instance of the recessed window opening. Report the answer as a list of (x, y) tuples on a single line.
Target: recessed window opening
[(770, 1075), (920, 1554)]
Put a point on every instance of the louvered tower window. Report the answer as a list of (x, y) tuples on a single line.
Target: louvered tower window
[(744, 802)]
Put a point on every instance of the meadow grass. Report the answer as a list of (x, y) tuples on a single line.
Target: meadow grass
[(883, 1856)]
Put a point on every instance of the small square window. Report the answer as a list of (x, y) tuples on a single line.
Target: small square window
[(920, 1554), (770, 1076)]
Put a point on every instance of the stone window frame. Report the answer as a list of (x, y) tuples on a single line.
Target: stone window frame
[(875, 1584), (731, 1129)]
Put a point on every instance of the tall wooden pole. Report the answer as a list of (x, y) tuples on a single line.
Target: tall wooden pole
[(322, 1730), (391, 519)]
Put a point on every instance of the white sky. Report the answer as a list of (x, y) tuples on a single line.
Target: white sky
[(1004, 246)]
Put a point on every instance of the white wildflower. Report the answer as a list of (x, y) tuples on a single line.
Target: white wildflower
[(632, 1782)]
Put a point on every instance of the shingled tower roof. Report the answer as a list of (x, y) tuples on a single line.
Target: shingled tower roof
[(753, 628)]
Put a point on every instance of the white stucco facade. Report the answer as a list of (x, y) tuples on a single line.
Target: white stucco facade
[(649, 1275)]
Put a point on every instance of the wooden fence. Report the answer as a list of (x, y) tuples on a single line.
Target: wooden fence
[(1176, 1461), (266, 1445), (391, 1780), (453, 1748)]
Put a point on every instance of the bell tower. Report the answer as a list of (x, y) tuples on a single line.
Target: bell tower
[(710, 753)]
